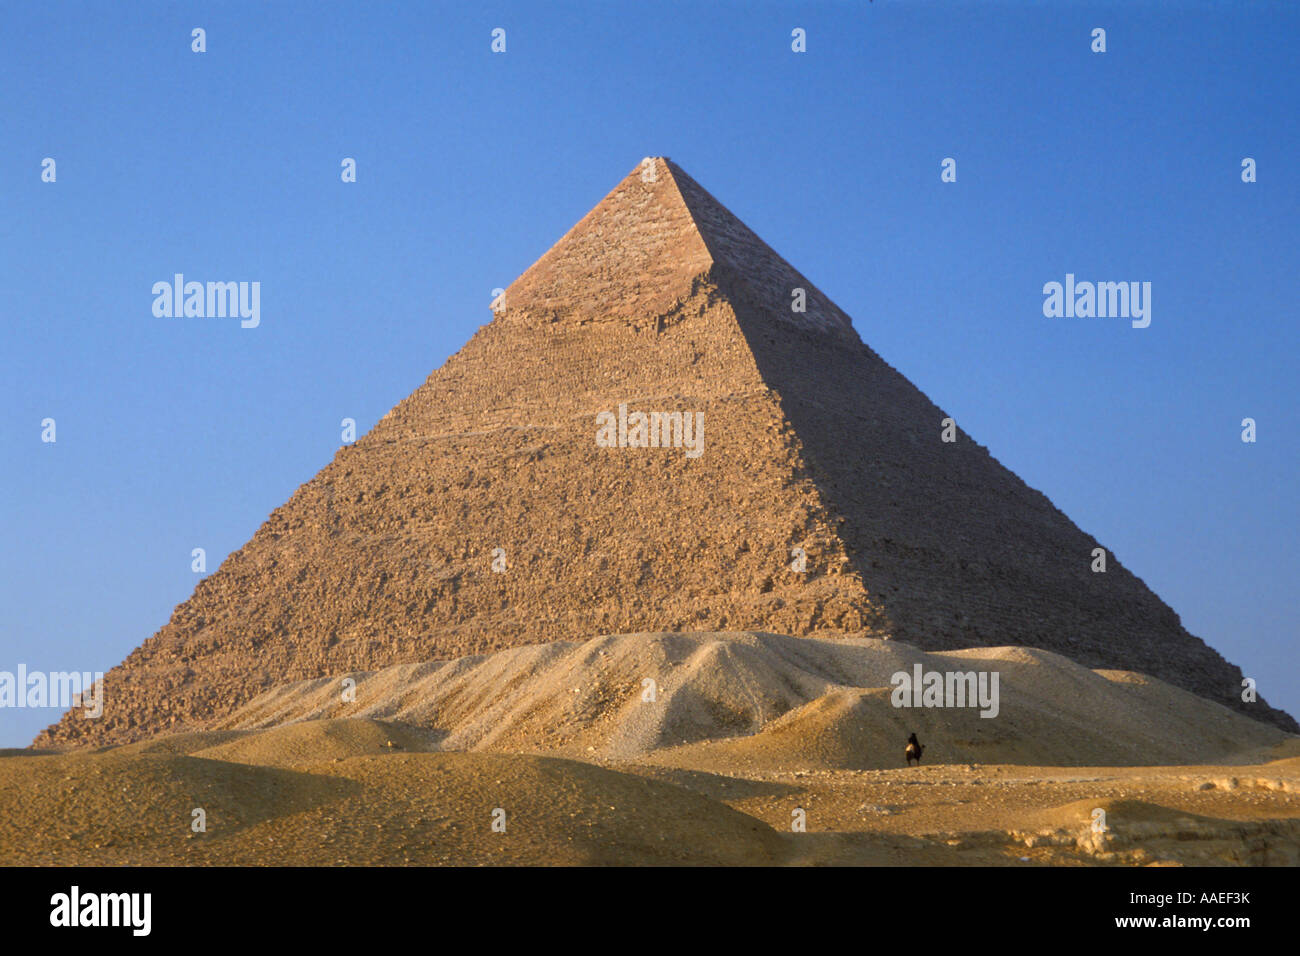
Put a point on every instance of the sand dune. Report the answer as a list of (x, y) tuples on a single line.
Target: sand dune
[(317, 741), (361, 792), (771, 701), (122, 806), (112, 807), (746, 733)]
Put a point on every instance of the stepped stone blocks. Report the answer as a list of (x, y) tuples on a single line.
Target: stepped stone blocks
[(660, 300)]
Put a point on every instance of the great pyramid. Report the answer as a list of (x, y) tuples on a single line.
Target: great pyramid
[(481, 512)]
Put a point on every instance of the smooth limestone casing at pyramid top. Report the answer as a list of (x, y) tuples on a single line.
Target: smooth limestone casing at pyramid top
[(662, 300)]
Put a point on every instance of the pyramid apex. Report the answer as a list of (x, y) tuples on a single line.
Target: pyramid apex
[(630, 258), (642, 248)]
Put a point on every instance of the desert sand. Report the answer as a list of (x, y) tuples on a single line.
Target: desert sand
[(746, 733)]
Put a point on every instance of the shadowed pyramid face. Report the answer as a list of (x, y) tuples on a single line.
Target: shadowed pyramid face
[(489, 509)]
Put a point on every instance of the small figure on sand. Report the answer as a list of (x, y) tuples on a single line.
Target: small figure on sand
[(913, 751)]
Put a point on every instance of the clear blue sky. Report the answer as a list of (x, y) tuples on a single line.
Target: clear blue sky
[(183, 433)]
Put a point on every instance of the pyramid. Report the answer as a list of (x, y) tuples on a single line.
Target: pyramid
[(483, 513)]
